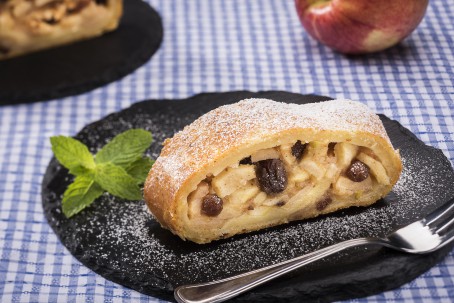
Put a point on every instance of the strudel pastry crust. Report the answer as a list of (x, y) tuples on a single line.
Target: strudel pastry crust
[(31, 25), (260, 163)]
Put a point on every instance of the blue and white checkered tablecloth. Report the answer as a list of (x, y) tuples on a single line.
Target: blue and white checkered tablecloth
[(215, 46)]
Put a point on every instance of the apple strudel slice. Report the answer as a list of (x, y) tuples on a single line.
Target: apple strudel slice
[(31, 25), (259, 163)]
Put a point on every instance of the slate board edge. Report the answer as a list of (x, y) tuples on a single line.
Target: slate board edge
[(362, 289)]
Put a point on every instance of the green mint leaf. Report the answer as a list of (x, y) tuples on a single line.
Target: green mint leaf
[(116, 181), (125, 148), (139, 169), (80, 194), (72, 154)]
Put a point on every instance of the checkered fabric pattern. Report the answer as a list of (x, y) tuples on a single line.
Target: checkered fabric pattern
[(215, 46)]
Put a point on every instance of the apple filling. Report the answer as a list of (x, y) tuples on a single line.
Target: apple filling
[(40, 15), (291, 180), (26, 22)]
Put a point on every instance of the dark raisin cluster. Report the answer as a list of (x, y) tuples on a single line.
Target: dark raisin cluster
[(271, 175), (298, 150)]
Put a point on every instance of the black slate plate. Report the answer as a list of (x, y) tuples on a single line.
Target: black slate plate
[(120, 241), (82, 66)]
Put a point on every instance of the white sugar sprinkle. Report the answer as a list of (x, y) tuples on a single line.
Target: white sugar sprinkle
[(123, 237), (231, 126)]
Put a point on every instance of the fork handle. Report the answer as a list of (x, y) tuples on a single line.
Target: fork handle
[(221, 290)]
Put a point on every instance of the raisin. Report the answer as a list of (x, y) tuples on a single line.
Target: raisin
[(280, 203), (298, 149), (51, 21), (358, 171), (331, 146), (323, 203), (4, 50), (212, 205), (246, 160), (271, 175)]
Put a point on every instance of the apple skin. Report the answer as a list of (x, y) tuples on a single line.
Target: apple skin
[(360, 26)]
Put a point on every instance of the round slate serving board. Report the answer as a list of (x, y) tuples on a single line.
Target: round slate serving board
[(85, 65), (120, 240)]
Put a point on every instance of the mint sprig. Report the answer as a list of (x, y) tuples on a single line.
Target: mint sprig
[(125, 148), (72, 154), (80, 194), (118, 168), (116, 181), (139, 169)]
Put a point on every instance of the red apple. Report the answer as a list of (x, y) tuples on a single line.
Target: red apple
[(360, 26)]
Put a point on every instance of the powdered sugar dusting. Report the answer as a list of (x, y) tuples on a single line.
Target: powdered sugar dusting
[(230, 126), (121, 240)]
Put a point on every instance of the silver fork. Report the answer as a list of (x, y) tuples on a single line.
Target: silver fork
[(424, 236)]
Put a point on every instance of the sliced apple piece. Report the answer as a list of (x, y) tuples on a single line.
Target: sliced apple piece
[(273, 201), (231, 179), (376, 168), (298, 175), (258, 213), (287, 156), (346, 187), (195, 198), (265, 154), (259, 198), (316, 153), (318, 171), (332, 171), (317, 150), (242, 195), (310, 194), (345, 152)]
